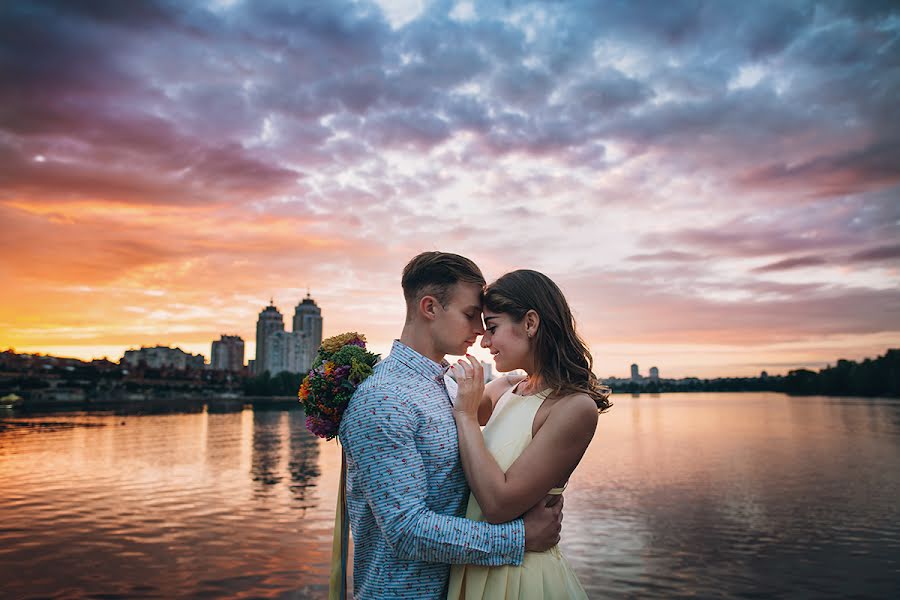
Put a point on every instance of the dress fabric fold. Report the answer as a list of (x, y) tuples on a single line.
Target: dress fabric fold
[(542, 575)]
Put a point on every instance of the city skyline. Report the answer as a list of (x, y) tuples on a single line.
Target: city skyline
[(714, 186)]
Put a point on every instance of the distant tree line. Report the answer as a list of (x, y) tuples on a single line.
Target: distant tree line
[(693, 384), (871, 377), (265, 384), (26, 374)]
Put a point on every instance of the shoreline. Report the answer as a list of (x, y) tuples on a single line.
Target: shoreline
[(156, 406)]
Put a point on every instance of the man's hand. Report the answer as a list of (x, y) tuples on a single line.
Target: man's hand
[(543, 523)]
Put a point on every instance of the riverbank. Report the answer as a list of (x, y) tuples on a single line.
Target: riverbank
[(185, 404)]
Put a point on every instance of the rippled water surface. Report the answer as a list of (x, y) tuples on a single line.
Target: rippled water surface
[(690, 495)]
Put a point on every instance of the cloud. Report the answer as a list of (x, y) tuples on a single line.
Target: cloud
[(609, 91), (874, 166), (666, 256), (877, 254), (694, 158), (792, 263), (609, 303)]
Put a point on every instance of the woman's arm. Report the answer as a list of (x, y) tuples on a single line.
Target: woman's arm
[(548, 460)]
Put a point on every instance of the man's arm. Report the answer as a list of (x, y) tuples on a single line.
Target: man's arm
[(378, 435)]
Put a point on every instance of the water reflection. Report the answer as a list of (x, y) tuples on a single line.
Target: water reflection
[(693, 495), (266, 448), (223, 441), (740, 496), (304, 461)]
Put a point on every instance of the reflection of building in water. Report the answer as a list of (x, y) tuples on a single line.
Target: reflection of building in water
[(271, 429), (304, 456), (266, 447), (227, 354)]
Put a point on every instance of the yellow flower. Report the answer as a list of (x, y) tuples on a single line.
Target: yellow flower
[(334, 343)]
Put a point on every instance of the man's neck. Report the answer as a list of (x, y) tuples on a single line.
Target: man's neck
[(419, 339)]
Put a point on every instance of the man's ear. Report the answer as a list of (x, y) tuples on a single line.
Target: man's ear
[(532, 323), (428, 306)]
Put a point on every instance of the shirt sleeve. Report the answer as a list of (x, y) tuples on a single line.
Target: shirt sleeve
[(378, 435)]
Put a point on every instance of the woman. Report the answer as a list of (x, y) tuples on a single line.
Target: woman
[(536, 428)]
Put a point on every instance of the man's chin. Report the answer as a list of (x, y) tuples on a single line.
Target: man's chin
[(462, 350)]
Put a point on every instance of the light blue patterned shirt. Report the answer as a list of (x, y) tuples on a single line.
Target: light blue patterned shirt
[(406, 490)]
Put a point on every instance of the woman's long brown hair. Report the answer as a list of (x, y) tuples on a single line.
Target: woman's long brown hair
[(562, 358)]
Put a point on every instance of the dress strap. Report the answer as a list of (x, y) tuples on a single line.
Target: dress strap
[(541, 394), (559, 490)]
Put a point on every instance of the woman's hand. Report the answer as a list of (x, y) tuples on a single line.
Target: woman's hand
[(469, 376)]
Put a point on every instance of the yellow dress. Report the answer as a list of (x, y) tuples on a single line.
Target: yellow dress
[(542, 575)]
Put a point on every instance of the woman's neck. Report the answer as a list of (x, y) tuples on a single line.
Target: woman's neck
[(532, 384)]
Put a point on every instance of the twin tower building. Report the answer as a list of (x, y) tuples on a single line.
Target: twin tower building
[(278, 350)]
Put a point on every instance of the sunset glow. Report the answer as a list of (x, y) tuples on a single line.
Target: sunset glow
[(716, 188)]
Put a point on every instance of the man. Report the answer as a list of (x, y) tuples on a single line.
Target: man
[(406, 490)]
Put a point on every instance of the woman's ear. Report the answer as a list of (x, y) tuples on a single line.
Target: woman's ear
[(532, 323)]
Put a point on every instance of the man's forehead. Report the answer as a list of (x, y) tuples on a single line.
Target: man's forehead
[(468, 294)]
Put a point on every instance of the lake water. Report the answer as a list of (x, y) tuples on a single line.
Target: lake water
[(751, 495)]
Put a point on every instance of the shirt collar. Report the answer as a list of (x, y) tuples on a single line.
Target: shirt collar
[(419, 364)]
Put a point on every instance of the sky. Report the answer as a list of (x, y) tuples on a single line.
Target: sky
[(715, 186)]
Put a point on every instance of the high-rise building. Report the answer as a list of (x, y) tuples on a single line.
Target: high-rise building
[(227, 354), (270, 321), (308, 320), (289, 351), (654, 374), (635, 374)]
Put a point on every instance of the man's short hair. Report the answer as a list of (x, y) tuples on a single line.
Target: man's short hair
[(434, 274)]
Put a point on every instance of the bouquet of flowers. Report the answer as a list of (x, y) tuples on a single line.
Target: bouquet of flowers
[(341, 364)]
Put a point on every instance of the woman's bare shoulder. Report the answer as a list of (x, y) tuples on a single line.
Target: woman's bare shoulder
[(576, 408)]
